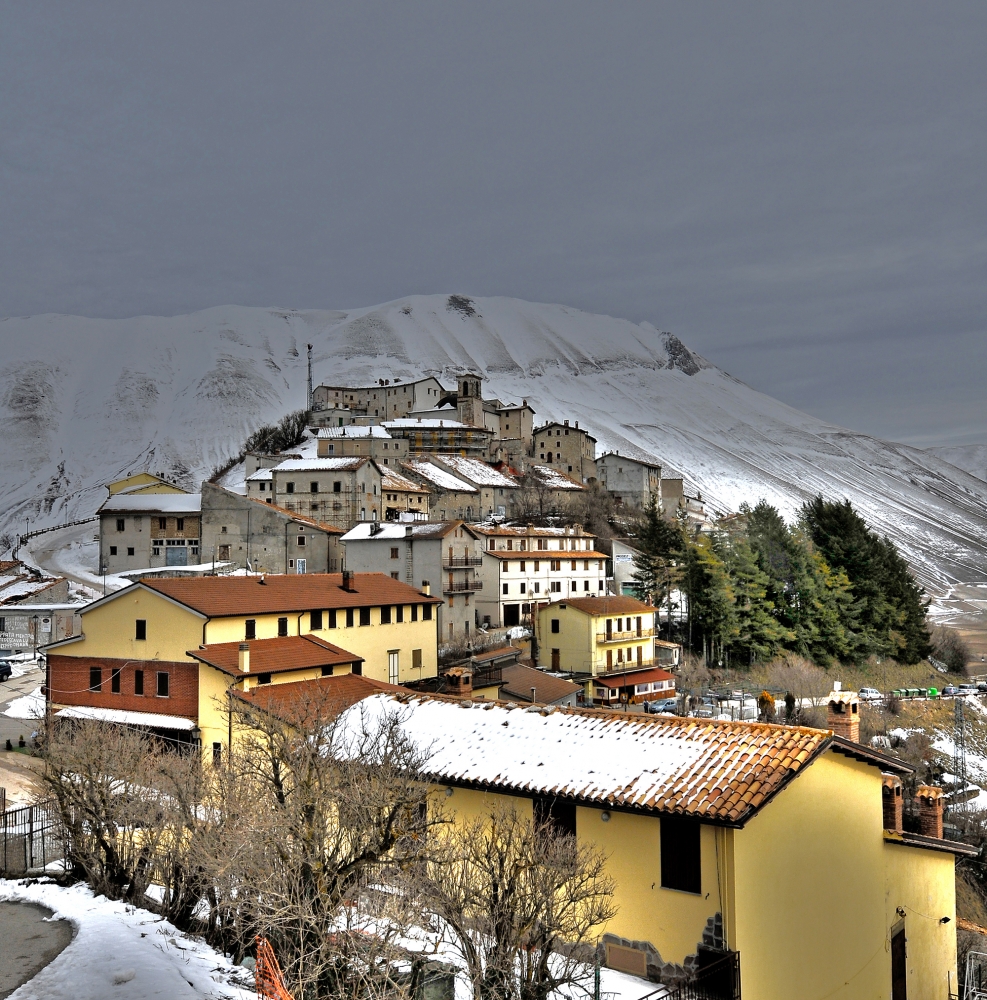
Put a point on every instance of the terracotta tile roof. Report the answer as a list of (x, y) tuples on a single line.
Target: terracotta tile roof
[(718, 771), (391, 480), (306, 701), (225, 596), (627, 677), (519, 680), (271, 656), (609, 605), (496, 654)]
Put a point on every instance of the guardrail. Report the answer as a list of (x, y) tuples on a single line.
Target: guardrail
[(462, 586), (461, 562)]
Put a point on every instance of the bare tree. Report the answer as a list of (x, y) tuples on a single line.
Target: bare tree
[(521, 903)]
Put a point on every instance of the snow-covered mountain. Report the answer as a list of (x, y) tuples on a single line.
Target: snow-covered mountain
[(970, 458), (85, 401)]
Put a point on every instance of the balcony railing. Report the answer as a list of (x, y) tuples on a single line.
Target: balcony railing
[(461, 562), (644, 633), (462, 586), (717, 981)]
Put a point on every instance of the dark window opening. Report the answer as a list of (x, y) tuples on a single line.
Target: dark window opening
[(365, 616), (121, 524), (399, 613), (313, 487), (282, 626), (327, 671), (162, 523), (357, 669), (680, 854), (337, 487), (426, 612), (250, 629), (558, 815), (130, 550), (138, 682), (113, 550), (217, 754), (315, 621), (385, 615), (141, 630), (414, 612), (95, 679), (555, 624), (349, 618), (115, 680), (331, 623), (179, 523), (289, 487), (263, 678), (162, 684)]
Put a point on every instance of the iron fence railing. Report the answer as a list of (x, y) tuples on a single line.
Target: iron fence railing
[(461, 586), (31, 838), (720, 980), (461, 562)]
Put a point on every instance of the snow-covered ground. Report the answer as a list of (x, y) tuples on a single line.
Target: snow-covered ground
[(123, 952), (84, 401), (29, 706)]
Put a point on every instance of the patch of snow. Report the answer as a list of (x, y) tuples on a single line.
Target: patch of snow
[(439, 477), (124, 718), (477, 472), (29, 706), (124, 952), (172, 503)]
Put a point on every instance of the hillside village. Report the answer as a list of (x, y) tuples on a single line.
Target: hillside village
[(421, 552)]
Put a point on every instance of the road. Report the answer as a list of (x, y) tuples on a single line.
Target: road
[(17, 770), (28, 942), (70, 552)]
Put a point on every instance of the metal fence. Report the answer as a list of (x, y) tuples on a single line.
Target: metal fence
[(31, 838), (717, 981)]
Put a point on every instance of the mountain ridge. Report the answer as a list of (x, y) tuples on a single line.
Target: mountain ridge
[(88, 400)]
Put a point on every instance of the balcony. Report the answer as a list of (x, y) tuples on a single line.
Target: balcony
[(644, 633), (461, 562), (462, 586)]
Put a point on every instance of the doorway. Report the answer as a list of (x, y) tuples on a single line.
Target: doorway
[(899, 980)]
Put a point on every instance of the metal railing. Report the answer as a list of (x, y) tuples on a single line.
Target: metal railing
[(461, 562), (644, 633), (31, 838), (718, 981), (461, 586)]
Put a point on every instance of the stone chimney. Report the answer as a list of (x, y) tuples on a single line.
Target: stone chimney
[(347, 580), (892, 801), (930, 805), (843, 713), (244, 657)]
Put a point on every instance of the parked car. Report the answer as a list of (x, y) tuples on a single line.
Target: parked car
[(662, 705), (968, 689), (870, 694), (6, 670), (950, 691), (982, 686)]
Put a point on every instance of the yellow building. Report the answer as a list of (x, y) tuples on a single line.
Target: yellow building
[(160, 654), (738, 849), (143, 482)]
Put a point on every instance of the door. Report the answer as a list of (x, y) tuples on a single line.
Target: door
[(512, 615), (300, 565), (176, 555), (393, 666), (899, 989), (224, 552), (556, 660)]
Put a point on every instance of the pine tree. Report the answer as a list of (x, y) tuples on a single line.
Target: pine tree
[(661, 545), (712, 617), (757, 632)]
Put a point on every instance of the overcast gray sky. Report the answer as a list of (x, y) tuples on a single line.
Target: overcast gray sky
[(796, 190)]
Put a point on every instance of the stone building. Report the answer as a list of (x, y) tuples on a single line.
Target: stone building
[(253, 534), (363, 440), (148, 530), (629, 481), (387, 399), (571, 450), (334, 491)]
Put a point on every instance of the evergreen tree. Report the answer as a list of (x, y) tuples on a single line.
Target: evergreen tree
[(757, 633), (661, 544), (712, 615)]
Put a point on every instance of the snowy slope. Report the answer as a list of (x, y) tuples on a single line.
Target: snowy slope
[(970, 458), (86, 400)]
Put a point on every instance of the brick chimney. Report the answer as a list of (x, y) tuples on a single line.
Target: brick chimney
[(930, 805), (347, 580), (244, 657), (892, 801), (843, 713)]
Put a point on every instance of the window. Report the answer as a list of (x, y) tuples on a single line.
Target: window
[(162, 523), (331, 623), (506, 589), (95, 679), (130, 550), (393, 666), (573, 566), (121, 524), (537, 588), (282, 626), (385, 615), (138, 682), (399, 613), (263, 678), (557, 815), (585, 584), (537, 565), (585, 564), (395, 575), (337, 487), (426, 612), (349, 618), (113, 550), (364, 616), (680, 854), (416, 659), (140, 630), (217, 754), (327, 671), (315, 620), (250, 629), (162, 683), (555, 624), (313, 487), (179, 523), (556, 566), (414, 612), (556, 586), (394, 553), (289, 487)]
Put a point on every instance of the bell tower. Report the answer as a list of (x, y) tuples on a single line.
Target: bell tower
[(469, 399)]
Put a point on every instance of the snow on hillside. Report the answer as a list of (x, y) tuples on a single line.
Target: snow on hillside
[(970, 458), (86, 400)]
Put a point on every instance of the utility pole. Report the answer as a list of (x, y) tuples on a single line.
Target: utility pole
[(308, 397)]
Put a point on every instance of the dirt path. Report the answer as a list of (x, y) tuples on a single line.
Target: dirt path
[(28, 942)]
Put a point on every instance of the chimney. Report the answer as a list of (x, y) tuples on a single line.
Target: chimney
[(347, 584), (567, 423), (930, 803), (892, 800), (245, 657), (262, 581), (426, 588), (843, 713)]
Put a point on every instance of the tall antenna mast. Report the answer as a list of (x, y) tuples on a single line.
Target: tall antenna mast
[(308, 397)]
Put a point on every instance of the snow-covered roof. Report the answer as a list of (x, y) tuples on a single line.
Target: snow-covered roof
[(261, 476), (514, 530), (427, 422), (439, 477), (354, 431), (554, 479), (320, 464), (715, 770), (25, 586), (153, 503), (390, 530), (476, 471), (124, 718), (391, 480)]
